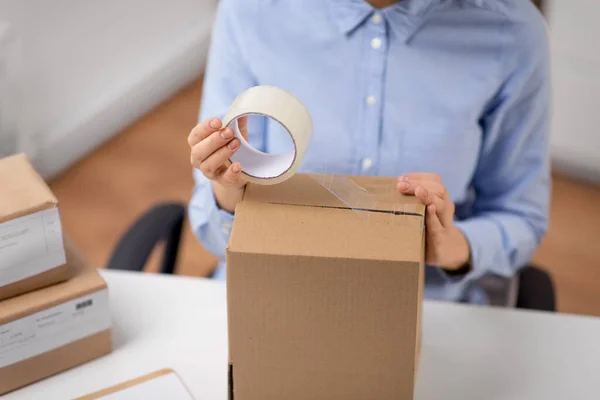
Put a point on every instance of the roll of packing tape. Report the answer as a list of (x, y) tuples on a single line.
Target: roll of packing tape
[(277, 104)]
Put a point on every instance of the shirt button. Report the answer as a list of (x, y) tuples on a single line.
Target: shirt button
[(226, 228), (371, 100), (376, 43), (367, 163), (376, 19)]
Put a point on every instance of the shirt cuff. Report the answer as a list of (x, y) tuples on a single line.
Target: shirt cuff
[(225, 217), (485, 244), (226, 221)]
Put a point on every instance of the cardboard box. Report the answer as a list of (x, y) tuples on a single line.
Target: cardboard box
[(159, 385), (324, 304), (32, 253), (55, 328)]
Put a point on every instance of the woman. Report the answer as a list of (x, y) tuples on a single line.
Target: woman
[(451, 96)]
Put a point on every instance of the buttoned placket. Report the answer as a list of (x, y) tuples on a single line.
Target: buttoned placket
[(374, 70)]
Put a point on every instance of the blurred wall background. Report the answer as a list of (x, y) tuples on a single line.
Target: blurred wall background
[(88, 68), (574, 31)]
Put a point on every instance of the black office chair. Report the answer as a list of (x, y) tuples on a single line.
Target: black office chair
[(532, 289), (536, 290), (162, 223)]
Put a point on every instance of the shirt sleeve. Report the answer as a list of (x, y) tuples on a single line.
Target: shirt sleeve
[(512, 182), (227, 74)]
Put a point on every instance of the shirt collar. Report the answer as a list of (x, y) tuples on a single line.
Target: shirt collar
[(404, 17)]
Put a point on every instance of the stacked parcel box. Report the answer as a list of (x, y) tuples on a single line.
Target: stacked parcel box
[(54, 312)]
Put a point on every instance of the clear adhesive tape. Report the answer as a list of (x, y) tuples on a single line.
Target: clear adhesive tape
[(277, 104)]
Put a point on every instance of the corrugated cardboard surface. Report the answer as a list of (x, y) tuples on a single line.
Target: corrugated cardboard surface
[(321, 304), (53, 362), (291, 229), (85, 280), (24, 190), (46, 278)]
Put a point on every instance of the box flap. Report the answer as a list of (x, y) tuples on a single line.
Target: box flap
[(85, 279), (23, 189), (300, 217), (324, 232), (303, 189)]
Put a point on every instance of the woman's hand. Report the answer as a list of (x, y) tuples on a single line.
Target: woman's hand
[(211, 147), (446, 247)]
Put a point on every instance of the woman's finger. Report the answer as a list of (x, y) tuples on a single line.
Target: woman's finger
[(232, 175), (434, 225), (421, 176), (430, 192), (428, 197), (211, 144), (444, 208), (434, 229), (213, 164), (203, 130), (409, 187)]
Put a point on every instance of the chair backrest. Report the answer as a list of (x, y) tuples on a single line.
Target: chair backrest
[(162, 223), (502, 292)]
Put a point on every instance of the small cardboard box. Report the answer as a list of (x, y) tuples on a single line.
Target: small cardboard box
[(323, 303), (55, 328), (159, 385), (32, 253)]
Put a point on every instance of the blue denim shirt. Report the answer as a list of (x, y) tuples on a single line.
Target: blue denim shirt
[(456, 87)]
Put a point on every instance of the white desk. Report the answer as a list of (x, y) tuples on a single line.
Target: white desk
[(468, 352)]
